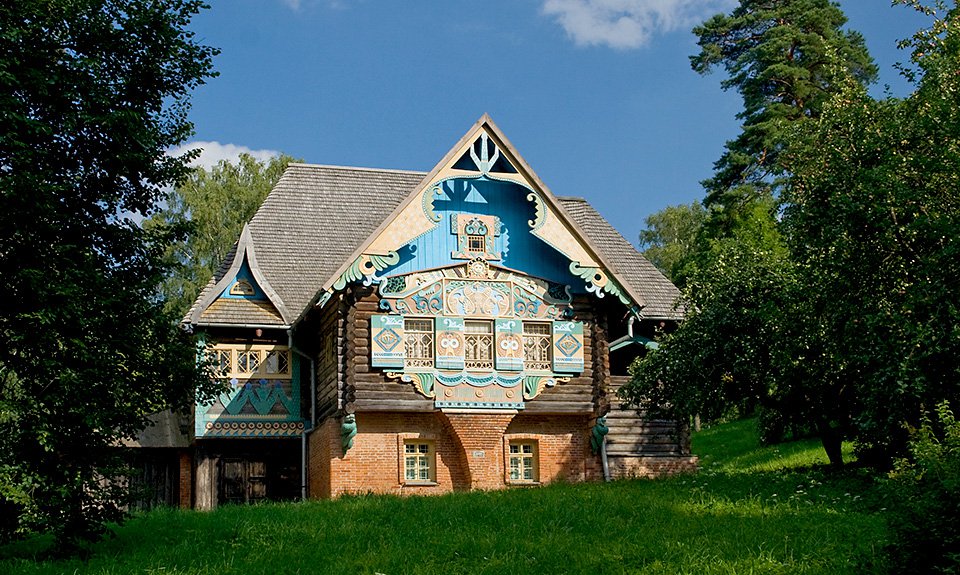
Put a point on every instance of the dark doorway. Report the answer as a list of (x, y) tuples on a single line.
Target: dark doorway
[(251, 470), (242, 481)]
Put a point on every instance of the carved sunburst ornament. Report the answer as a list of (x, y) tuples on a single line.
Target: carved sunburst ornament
[(478, 268)]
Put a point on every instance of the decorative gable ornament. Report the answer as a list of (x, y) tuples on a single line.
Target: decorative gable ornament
[(482, 156)]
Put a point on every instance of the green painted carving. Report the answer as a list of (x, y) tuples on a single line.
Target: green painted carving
[(540, 212), (533, 385), (348, 430), (423, 382), (365, 268), (614, 289), (598, 282), (394, 285), (597, 433), (262, 395)]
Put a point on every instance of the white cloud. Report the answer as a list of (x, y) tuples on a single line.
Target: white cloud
[(624, 24), (292, 4), (213, 152)]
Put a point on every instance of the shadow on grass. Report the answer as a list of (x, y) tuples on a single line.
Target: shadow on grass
[(728, 518)]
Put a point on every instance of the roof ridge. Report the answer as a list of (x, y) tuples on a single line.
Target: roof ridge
[(355, 168)]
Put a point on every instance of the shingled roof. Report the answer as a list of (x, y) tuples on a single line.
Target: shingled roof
[(658, 292), (317, 216)]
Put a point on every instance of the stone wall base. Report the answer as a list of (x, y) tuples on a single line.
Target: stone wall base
[(624, 467)]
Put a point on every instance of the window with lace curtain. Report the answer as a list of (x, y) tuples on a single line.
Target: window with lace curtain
[(418, 342), (478, 344)]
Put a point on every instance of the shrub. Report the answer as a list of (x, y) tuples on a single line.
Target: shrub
[(926, 492)]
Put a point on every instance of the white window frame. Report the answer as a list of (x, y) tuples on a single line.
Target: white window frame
[(477, 340), (422, 460), (427, 342), (533, 456), (542, 341)]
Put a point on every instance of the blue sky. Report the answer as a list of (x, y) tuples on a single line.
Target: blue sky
[(597, 95)]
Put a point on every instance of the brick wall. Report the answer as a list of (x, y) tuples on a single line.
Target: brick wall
[(563, 443), (470, 451), (186, 479)]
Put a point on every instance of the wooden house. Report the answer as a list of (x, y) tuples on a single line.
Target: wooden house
[(406, 332)]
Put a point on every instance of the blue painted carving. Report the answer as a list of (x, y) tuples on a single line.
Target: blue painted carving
[(568, 344), (388, 339), (518, 248), (524, 303), (475, 227), (430, 300), (471, 298), (480, 380), (244, 275)]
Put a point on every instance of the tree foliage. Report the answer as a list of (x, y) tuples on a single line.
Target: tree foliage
[(852, 329), (214, 205), (874, 216), (92, 94), (670, 238), (925, 499), (786, 59)]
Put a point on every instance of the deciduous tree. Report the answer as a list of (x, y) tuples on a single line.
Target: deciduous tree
[(670, 239), (214, 205), (92, 94)]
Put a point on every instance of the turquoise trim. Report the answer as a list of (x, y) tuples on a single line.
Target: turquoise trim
[(245, 275), (627, 340)]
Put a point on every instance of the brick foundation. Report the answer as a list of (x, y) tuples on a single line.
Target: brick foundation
[(637, 466), (471, 451)]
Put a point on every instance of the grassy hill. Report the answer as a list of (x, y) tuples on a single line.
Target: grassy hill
[(750, 509)]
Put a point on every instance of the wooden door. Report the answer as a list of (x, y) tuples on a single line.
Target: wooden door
[(242, 481)]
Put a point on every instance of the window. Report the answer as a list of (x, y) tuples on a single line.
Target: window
[(418, 342), (250, 361), (523, 462), (418, 462), (222, 362), (478, 344), (476, 244), (277, 362), (242, 287), (536, 346)]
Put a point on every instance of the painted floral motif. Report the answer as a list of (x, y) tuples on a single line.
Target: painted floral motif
[(477, 298)]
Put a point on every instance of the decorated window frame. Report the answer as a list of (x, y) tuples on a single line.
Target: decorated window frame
[(250, 361), (417, 459), (521, 459), (419, 343)]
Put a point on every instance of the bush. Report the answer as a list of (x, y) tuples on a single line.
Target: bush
[(926, 492)]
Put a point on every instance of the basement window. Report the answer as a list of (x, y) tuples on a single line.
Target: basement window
[(419, 462), (523, 461)]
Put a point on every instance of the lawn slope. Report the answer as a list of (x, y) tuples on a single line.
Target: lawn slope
[(750, 509)]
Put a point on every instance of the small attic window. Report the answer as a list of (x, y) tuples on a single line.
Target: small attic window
[(242, 287), (476, 243)]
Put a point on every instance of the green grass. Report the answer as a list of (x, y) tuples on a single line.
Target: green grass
[(749, 510)]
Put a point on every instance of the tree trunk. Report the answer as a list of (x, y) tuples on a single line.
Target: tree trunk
[(832, 440)]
